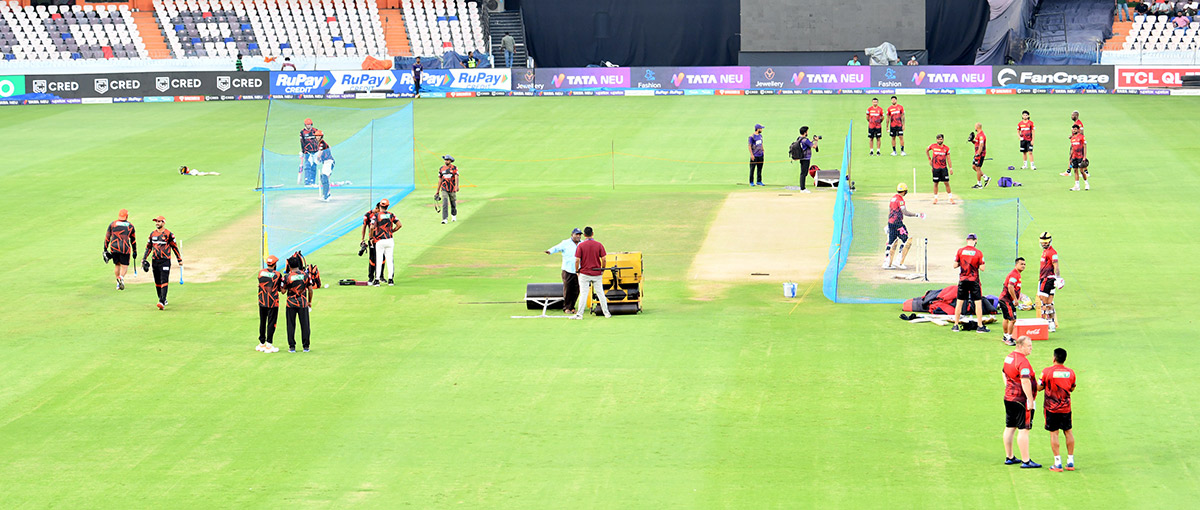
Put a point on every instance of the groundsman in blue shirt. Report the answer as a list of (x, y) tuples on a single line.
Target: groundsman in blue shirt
[(569, 278)]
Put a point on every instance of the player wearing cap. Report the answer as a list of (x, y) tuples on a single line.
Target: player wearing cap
[(1025, 132), (1009, 296), (875, 127), (1058, 382), (1079, 161), (309, 145), (120, 245), (569, 278), (159, 247), (448, 188), (756, 154), (416, 72), (1020, 395), (897, 232), (1049, 280), (385, 226), (369, 244), (270, 284), (299, 285), (969, 262), (980, 141), (323, 161), (939, 161), (895, 114)]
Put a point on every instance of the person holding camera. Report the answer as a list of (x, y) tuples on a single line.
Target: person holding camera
[(804, 149)]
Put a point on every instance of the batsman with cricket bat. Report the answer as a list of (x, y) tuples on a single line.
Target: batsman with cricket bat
[(309, 145)]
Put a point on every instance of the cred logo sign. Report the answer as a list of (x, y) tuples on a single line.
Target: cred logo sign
[(1142, 77)]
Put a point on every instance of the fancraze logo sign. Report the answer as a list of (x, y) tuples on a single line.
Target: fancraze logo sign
[(1054, 76), (12, 86)]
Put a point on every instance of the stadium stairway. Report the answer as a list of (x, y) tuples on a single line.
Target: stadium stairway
[(1120, 34), (394, 33), (152, 34), (509, 21)]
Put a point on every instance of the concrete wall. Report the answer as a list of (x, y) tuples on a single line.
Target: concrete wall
[(831, 25)]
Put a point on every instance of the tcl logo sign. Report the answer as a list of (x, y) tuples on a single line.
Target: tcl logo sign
[(1140, 77)]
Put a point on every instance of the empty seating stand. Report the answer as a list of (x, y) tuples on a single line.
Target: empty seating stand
[(1158, 33), (437, 26), (314, 28), (68, 32)]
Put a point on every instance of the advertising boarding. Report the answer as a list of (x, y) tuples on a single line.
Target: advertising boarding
[(462, 80), (1094, 77), (690, 78), (217, 85), (930, 77), (572, 78), (1147, 77), (11, 86), (810, 77)]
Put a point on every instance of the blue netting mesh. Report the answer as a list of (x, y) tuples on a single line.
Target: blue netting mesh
[(843, 213), (372, 150)]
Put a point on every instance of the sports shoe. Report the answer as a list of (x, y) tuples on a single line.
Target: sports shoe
[(1053, 328), (955, 328), (759, 183), (983, 329), (1087, 187), (577, 316), (902, 153), (159, 305), (608, 316), (391, 283), (261, 347), (1066, 174), (165, 302), (986, 180), (1070, 466), (376, 282), (305, 350), (1057, 468), (453, 217), (1074, 188), (292, 351), (805, 191), (976, 186), (935, 200), (271, 348), (1009, 341), (900, 266), (120, 284), (443, 222), (1033, 167), (893, 153), (1010, 461), (1030, 464), (887, 265), (752, 184)]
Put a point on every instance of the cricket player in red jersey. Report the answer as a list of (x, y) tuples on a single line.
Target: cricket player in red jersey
[(895, 114), (270, 284), (875, 127), (1025, 132), (368, 245), (1009, 296), (159, 248), (120, 245), (385, 225), (969, 262), (1075, 123), (309, 146), (1020, 400), (299, 287), (980, 141), (1058, 382), (938, 154), (448, 188), (1079, 160), (1049, 280), (897, 232)]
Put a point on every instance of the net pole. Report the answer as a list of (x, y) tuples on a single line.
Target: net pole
[(371, 173), (262, 186), (1017, 240), (612, 153)]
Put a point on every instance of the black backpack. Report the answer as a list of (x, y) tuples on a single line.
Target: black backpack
[(794, 150)]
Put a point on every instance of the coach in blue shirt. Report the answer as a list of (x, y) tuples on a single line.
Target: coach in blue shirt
[(755, 144), (569, 278)]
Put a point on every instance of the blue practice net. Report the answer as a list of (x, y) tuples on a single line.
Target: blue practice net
[(308, 202), (857, 253)]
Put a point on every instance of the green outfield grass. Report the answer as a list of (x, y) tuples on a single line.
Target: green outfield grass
[(733, 397)]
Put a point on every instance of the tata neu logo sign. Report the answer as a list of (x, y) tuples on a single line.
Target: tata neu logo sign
[(1146, 77), (1054, 76)]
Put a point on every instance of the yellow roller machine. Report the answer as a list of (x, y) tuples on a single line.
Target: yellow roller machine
[(622, 284)]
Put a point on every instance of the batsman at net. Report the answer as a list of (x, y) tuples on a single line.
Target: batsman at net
[(897, 231)]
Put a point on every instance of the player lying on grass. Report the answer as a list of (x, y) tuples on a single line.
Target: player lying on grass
[(897, 232), (184, 170)]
